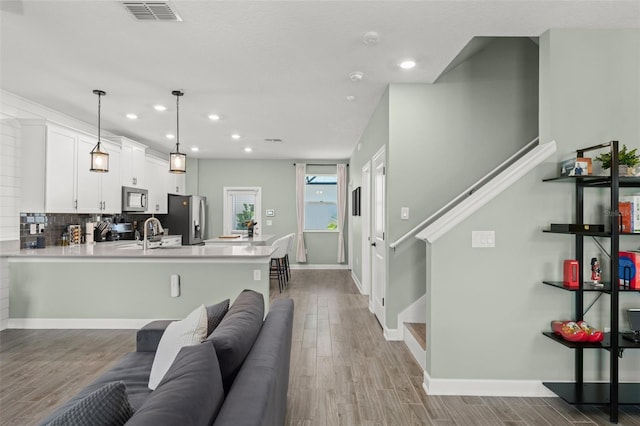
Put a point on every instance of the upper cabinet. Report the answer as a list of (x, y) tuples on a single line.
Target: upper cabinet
[(176, 182), (157, 170), (132, 163), (57, 177)]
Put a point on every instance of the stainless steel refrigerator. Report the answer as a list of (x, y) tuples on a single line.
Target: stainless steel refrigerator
[(186, 217)]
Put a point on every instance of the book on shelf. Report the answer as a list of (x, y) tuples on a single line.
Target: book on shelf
[(635, 207), (625, 209)]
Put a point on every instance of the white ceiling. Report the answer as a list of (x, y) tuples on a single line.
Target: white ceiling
[(270, 69)]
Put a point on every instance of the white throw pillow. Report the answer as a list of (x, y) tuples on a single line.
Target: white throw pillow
[(190, 331)]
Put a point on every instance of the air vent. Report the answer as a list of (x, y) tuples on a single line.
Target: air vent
[(152, 11), (273, 140)]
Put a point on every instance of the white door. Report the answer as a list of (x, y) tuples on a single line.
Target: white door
[(365, 211), (379, 247)]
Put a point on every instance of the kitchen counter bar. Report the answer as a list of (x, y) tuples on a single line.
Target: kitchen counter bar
[(123, 251)]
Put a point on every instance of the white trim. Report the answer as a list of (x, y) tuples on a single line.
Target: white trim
[(522, 388), (416, 350), (228, 191), (487, 192), (317, 266), (392, 334), (78, 323), (357, 281), (416, 312)]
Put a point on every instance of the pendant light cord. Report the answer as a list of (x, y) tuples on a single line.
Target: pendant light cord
[(178, 123), (99, 104)]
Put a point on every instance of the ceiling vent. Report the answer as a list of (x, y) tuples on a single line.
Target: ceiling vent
[(273, 140), (152, 11)]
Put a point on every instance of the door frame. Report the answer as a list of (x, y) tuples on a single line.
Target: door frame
[(365, 211), (380, 250)]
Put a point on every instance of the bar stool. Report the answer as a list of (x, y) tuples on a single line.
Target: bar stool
[(277, 267)]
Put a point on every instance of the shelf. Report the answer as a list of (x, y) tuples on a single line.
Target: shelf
[(589, 287), (595, 393), (605, 344), (590, 234), (598, 181)]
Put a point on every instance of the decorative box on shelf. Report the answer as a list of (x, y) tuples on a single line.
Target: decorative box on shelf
[(628, 267)]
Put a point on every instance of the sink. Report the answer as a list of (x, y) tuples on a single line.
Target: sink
[(165, 242)]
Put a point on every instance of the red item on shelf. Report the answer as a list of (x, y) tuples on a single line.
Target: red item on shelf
[(593, 335), (571, 274), (569, 331)]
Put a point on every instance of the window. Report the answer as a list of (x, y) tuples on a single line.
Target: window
[(240, 205), (321, 203)]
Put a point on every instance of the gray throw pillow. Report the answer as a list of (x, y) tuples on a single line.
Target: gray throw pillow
[(215, 313), (235, 335), (107, 406)]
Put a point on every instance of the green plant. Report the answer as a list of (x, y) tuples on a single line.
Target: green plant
[(243, 217), (625, 158)]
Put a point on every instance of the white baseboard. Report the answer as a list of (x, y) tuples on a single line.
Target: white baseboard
[(317, 266), (523, 388), (357, 281), (69, 323), (416, 350), (392, 334)]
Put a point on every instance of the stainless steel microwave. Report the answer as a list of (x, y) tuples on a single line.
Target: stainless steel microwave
[(134, 199)]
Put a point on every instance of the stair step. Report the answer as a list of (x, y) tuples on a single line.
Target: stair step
[(419, 332)]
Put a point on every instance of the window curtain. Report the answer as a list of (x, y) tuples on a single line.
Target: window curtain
[(301, 173), (342, 208)]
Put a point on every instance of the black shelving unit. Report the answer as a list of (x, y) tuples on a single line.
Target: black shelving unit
[(611, 394)]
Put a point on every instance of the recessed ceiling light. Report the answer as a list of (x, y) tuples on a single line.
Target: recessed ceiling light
[(407, 64), (370, 37), (194, 149), (170, 136), (132, 116), (214, 117), (351, 98), (235, 136), (248, 149), (160, 107), (356, 76)]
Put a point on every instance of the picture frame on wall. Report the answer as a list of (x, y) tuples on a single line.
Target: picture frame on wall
[(355, 202)]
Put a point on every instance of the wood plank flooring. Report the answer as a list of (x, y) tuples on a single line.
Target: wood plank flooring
[(343, 372)]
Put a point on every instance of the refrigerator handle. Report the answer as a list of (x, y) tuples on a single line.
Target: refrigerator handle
[(202, 219)]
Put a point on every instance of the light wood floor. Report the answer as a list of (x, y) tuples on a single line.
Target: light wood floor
[(343, 372)]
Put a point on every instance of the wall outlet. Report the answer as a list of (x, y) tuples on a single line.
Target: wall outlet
[(483, 239), (256, 275), (175, 285), (269, 222)]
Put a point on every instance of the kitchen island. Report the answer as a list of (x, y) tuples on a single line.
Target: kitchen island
[(118, 285)]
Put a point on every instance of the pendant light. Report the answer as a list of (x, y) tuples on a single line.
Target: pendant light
[(99, 158), (177, 160)]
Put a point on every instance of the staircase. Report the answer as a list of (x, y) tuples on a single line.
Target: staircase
[(415, 337)]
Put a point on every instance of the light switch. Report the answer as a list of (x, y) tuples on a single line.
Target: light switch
[(483, 239), (269, 222), (404, 213)]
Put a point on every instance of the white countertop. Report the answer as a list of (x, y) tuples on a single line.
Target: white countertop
[(258, 240), (114, 250)]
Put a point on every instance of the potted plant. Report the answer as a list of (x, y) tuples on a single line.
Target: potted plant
[(627, 160)]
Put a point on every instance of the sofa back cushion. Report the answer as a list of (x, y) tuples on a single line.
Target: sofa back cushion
[(234, 336), (190, 393)]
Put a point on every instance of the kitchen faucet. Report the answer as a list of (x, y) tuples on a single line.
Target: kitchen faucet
[(145, 241)]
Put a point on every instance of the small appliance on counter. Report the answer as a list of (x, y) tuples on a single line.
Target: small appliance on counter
[(75, 232), (123, 231), (102, 232), (187, 217)]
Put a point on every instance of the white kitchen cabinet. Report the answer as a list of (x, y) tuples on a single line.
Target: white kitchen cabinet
[(176, 183), (98, 192), (133, 156), (56, 163), (157, 171)]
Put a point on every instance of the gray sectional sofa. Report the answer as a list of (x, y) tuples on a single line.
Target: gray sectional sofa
[(238, 376)]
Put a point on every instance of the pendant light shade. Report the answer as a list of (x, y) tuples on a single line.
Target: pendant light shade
[(99, 157), (177, 159)]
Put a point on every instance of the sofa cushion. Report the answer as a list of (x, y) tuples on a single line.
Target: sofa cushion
[(106, 406), (189, 331), (215, 313), (237, 331), (190, 393)]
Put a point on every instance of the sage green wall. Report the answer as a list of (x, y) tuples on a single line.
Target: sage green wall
[(374, 137), (589, 93), (126, 290), (444, 137), (277, 180)]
